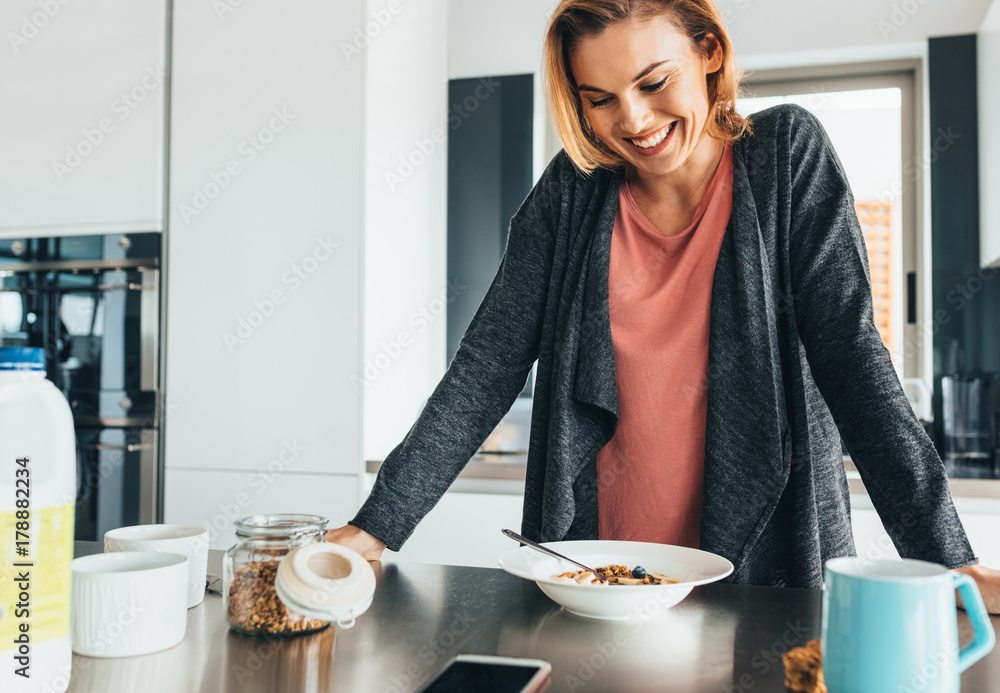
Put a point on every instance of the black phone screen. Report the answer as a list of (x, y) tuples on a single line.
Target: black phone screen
[(461, 677)]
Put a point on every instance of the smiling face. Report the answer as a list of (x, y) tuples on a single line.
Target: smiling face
[(644, 92)]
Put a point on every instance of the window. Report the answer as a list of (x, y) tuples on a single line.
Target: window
[(871, 120)]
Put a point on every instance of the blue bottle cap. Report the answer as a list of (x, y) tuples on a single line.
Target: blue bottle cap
[(22, 359)]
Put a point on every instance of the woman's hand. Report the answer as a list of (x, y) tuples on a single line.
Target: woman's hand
[(358, 540), (988, 582)]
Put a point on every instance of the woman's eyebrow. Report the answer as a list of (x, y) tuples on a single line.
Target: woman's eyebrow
[(649, 68)]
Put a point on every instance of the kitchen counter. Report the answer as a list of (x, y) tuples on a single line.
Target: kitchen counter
[(721, 639)]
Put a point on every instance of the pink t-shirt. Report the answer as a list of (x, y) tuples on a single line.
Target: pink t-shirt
[(660, 292)]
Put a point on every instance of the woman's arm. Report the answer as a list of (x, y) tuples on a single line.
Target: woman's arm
[(490, 368), (852, 368)]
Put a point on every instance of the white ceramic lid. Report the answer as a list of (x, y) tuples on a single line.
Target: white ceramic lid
[(325, 581)]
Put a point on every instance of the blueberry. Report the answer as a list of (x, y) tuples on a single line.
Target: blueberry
[(638, 572)]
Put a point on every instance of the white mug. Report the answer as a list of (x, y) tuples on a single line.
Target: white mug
[(128, 604), (186, 540)]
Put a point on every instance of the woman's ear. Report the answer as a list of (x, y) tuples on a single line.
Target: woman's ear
[(713, 53)]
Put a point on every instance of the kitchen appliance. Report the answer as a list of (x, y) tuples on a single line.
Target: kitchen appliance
[(93, 304), (968, 424)]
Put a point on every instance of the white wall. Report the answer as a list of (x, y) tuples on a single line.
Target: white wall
[(761, 27), (988, 72), (496, 38), (405, 196), (505, 38), (263, 327)]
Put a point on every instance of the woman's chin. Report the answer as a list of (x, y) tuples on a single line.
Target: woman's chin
[(653, 166)]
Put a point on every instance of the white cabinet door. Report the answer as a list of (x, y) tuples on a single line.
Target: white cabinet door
[(464, 529), (263, 327), (980, 517), (216, 500), (83, 116)]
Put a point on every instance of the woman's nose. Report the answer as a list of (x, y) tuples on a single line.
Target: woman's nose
[(635, 116)]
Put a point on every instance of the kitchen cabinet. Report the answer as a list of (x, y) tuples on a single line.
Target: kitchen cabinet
[(988, 75), (263, 325), (464, 529), (405, 215), (980, 517), (216, 499), (83, 135)]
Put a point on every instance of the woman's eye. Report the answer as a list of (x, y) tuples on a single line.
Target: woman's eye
[(601, 102), (652, 88)]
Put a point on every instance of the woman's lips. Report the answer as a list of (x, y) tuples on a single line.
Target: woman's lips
[(660, 146)]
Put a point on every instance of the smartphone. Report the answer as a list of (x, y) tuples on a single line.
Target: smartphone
[(486, 674)]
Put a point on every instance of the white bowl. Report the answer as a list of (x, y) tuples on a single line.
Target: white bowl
[(129, 603), (186, 540), (691, 567)]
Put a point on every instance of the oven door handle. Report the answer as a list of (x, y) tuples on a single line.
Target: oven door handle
[(131, 286), (130, 447)]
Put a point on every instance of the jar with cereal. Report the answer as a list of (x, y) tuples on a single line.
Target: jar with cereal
[(251, 601)]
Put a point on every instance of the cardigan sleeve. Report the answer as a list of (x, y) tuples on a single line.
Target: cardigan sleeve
[(487, 373), (899, 465)]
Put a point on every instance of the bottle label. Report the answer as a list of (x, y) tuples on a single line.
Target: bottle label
[(34, 574)]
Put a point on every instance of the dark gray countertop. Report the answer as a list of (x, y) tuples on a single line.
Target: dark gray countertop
[(721, 639)]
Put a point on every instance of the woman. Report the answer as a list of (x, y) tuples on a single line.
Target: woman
[(694, 287)]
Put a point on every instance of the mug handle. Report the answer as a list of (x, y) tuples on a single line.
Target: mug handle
[(983, 637)]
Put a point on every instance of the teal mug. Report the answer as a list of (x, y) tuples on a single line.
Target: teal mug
[(892, 626)]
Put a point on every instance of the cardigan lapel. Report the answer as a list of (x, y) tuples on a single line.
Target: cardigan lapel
[(594, 382), (746, 453)]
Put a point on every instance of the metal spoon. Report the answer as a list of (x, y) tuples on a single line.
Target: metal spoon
[(538, 547)]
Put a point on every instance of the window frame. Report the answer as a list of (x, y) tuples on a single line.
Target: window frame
[(908, 76)]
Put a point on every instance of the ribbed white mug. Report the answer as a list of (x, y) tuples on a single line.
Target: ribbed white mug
[(129, 603)]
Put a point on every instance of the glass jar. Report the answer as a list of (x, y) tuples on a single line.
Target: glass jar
[(249, 569)]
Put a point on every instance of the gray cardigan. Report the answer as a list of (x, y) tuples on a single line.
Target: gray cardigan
[(792, 349)]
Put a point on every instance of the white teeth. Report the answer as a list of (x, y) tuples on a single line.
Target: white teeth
[(655, 139)]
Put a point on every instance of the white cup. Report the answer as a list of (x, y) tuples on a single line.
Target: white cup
[(127, 604), (183, 539)]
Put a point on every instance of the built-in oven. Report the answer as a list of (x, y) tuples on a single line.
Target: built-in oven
[(93, 304)]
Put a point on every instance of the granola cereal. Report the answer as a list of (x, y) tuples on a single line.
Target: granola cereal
[(616, 575), (804, 668), (254, 606)]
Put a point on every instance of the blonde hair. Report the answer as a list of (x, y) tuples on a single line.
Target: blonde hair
[(574, 20)]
